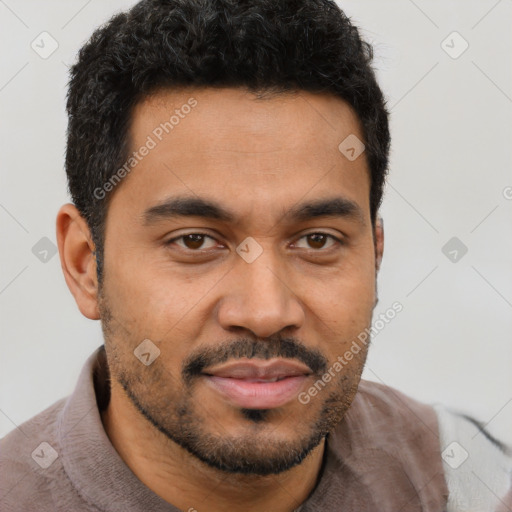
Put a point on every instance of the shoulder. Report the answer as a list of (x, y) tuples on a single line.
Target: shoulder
[(394, 405), (477, 467), (439, 456), (390, 416), (390, 443), (32, 474)]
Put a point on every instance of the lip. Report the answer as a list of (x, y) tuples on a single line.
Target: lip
[(259, 369), (254, 384)]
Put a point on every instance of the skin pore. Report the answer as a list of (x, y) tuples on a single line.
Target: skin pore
[(234, 167)]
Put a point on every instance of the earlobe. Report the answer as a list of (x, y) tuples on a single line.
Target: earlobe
[(379, 242), (77, 258)]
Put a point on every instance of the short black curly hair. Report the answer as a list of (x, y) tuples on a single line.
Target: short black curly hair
[(261, 45)]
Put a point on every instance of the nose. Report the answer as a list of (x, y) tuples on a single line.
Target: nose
[(259, 297)]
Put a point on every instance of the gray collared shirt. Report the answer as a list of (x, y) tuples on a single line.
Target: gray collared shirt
[(389, 453)]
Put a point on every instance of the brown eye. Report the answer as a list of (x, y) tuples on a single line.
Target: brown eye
[(318, 241), (193, 241)]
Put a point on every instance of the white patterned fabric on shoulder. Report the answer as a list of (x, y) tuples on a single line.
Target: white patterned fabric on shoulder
[(478, 468)]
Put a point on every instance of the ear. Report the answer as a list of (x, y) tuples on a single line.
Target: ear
[(78, 260), (379, 242)]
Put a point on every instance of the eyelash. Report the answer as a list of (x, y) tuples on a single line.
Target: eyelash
[(338, 241)]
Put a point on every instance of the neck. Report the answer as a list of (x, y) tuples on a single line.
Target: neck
[(181, 479)]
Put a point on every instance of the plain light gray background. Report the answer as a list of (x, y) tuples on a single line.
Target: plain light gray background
[(450, 177)]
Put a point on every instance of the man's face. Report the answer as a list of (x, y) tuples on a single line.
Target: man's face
[(226, 323)]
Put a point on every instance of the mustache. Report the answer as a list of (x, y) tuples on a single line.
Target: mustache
[(287, 348)]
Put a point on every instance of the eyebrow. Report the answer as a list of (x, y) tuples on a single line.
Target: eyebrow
[(208, 209), (332, 207)]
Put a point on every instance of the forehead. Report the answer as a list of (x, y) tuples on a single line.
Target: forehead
[(230, 145), (238, 120)]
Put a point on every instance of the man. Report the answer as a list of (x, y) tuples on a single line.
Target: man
[(226, 161)]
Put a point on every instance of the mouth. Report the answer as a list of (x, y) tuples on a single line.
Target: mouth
[(258, 384)]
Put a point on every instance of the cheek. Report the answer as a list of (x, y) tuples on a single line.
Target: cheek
[(344, 312), (137, 313), (344, 300), (146, 306), (136, 286)]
